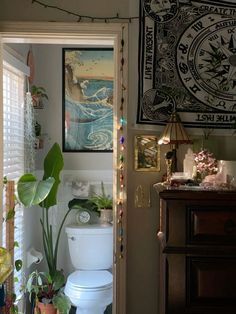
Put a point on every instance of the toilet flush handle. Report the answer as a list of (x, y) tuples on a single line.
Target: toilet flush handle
[(71, 238)]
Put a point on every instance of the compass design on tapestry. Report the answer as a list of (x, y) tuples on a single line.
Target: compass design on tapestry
[(206, 61)]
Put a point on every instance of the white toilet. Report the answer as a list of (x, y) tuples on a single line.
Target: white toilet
[(90, 286)]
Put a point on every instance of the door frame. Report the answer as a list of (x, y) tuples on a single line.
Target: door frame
[(69, 33)]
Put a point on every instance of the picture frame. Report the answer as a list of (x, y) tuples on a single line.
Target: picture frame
[(146, 153), (87, 99)]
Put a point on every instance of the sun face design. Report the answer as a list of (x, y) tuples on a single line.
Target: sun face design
[(206, 60), (161, 10)]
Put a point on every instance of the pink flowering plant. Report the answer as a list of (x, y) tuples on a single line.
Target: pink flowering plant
[(205, 163)]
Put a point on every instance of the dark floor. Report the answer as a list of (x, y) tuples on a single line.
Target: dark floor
[(108, 310)]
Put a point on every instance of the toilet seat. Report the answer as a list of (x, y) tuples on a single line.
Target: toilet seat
[(90, 280)]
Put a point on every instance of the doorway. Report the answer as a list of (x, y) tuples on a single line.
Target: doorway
[(82, 33)]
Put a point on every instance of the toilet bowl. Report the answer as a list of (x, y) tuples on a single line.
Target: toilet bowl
[(89, 287), (89, 291)]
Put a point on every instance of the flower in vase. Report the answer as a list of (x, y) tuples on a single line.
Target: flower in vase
[(205, 163)]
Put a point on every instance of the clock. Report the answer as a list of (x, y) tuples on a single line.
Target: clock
[(83, 216), (206, 61)]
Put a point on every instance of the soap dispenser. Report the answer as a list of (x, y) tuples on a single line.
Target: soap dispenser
[(188, 163)]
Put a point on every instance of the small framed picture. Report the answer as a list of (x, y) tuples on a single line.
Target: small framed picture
[(147, 153)]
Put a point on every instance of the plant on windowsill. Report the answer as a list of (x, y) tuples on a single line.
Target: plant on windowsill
[(44, 193), (38, 95)]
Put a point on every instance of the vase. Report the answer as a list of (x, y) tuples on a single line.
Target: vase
[(42, 308), (106, 216)]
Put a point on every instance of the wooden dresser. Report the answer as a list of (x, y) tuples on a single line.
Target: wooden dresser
[(198, 252)]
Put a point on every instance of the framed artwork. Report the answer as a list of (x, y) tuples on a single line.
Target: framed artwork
[(88, 75), (147, 153), (186, 49)]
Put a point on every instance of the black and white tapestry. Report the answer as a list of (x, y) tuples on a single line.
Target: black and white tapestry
[(187, 62)]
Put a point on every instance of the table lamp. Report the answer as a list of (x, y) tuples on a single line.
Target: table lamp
[(173, 134)]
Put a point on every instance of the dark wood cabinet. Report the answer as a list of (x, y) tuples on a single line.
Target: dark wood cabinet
[(198, 252)]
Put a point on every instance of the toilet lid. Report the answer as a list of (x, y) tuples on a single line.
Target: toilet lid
[(90, 279)]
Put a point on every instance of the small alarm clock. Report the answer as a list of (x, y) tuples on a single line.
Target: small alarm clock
[(83, 216)]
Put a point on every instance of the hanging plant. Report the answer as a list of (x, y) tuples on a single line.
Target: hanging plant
[(38, 94)]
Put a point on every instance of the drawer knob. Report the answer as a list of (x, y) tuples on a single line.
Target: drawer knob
[(161, 238)]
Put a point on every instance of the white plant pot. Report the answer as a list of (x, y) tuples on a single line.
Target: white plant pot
[(106, 216)]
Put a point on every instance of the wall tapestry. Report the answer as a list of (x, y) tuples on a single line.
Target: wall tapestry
[(88, 75), (187, 62)]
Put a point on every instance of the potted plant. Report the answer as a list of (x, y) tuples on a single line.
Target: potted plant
[(38, 93), (38, 135), (44, 193), (46, 293), (104, 205)]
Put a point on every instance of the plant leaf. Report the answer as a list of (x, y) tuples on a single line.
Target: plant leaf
[(16, 244), (62, 303), (18, 264), (31, 191), (10, 214), (58, 280), (53, 164)]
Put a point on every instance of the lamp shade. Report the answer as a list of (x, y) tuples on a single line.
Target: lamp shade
[(174, 132)]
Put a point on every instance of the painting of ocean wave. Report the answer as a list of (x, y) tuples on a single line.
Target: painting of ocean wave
[(88, 100)]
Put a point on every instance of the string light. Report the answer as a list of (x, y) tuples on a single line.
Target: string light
[(121, 161), (86, 17)]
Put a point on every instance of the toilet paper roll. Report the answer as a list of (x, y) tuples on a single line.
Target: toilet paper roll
[(33, 257)]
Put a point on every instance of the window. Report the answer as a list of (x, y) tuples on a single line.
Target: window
[(13, 147)]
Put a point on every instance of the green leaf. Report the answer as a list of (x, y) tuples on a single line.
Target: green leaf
[(58, 280), (18, 264), (10, 214), (16, 244), (40, 282), (62, 303), (32, 192), (16, 279), (53, 164)]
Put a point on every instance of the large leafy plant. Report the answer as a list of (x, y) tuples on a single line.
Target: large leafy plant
[(32, 191), (44, 192)]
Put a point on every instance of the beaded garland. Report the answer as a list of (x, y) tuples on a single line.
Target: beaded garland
[(121, 161)]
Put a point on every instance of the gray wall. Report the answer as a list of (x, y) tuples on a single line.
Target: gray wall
[(143, 248)]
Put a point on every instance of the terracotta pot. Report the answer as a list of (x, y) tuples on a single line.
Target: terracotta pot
[(42, 308)]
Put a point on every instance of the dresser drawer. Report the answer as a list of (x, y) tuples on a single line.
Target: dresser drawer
[(211, 225), (210, 281)]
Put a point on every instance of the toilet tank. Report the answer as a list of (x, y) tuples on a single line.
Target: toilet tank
[(90, 246)]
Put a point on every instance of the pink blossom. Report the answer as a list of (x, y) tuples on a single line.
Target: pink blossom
[(205, 163)]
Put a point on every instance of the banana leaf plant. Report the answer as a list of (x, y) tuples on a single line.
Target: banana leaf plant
[(44, 193)]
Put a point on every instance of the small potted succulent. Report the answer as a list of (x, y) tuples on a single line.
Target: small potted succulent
[(38, 94)]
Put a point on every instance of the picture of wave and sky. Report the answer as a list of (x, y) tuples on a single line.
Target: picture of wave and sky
[(88, 99)]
